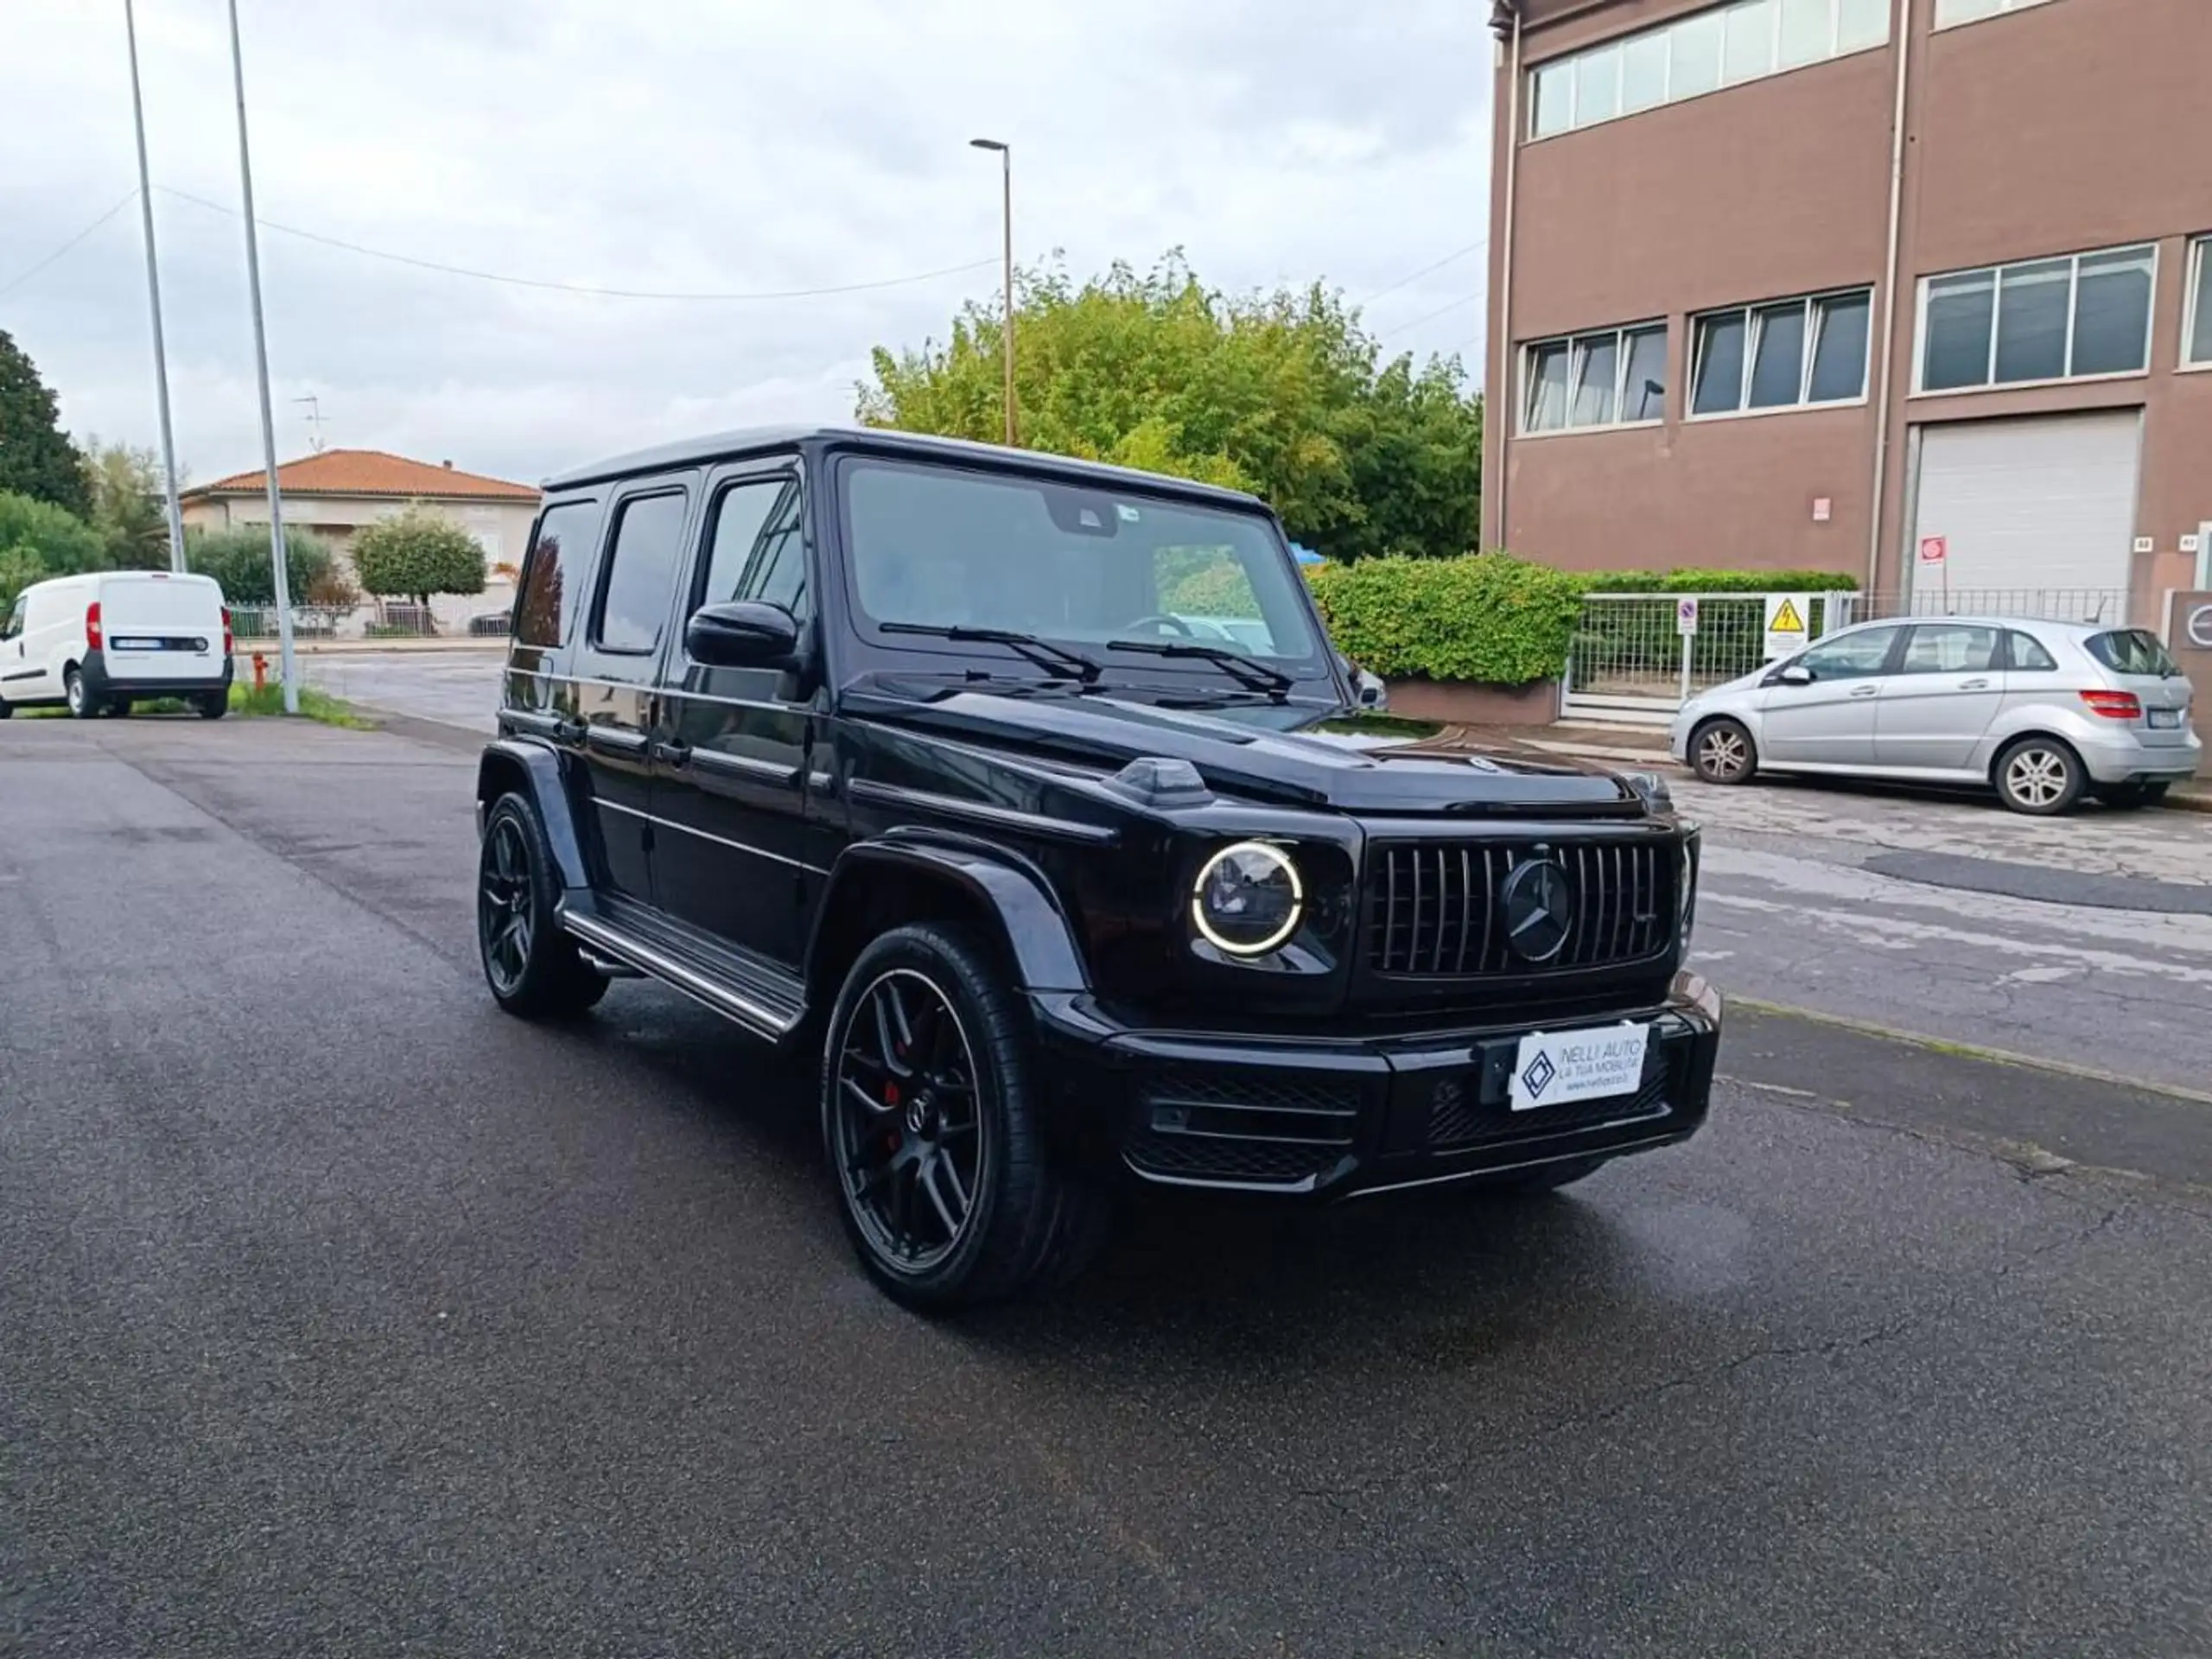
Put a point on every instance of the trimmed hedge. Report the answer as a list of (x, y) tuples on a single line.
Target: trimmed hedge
[(1496, 619)]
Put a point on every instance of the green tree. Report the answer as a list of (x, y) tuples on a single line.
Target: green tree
[(40, 538), (417, 553), (1283, 394), (238, 560), (128, 509), (36, 458)]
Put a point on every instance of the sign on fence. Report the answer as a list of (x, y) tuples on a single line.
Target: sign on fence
[(1686, 617), (1786, 632)]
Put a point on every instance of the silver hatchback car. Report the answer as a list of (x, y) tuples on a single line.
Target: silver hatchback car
[(2040, 711)]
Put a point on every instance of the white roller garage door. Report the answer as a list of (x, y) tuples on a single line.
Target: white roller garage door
[(2038, 513)]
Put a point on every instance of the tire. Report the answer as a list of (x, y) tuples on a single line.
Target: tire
[(2130, 797), (6, 709), (908, 1138), (2038, 776), (535, 970), (82, 704), (1722, 751), (213, 705)]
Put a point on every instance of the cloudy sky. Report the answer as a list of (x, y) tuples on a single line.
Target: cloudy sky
[(691, 146)]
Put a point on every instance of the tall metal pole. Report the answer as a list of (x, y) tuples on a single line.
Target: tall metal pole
[(283, 585), (1006, 172), (154, 299)]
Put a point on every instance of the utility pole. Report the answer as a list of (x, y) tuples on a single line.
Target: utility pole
[(1006, 172), (282, 585), (154, 299)]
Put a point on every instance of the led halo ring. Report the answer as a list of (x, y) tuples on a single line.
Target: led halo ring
[(1274, 940)]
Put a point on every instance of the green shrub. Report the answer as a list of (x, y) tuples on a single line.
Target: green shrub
[(1499, 620), (38, 534), (415, 554), (238, 560)]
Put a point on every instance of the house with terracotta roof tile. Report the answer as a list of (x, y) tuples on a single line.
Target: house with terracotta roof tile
[(337, 492)]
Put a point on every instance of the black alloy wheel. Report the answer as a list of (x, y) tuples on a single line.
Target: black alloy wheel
[(930, 1122), (534, 968), (909, 1134)]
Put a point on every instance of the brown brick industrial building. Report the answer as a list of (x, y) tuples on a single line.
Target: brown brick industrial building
[(1700, 215)]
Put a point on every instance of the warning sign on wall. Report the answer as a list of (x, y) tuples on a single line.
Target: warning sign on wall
[(1786, 632)]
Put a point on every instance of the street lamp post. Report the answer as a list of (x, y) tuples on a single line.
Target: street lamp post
[(154, 298), (1006, 172), (281, 584)]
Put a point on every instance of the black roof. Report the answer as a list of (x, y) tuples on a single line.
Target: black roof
[(723, 446)]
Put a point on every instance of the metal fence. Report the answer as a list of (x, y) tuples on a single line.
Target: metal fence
[(2095, 605), (381, 621), (1631, 663)]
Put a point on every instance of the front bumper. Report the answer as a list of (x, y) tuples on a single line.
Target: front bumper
[(1322, 1117)]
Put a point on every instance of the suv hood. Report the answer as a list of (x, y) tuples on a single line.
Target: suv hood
[(1356, 762)]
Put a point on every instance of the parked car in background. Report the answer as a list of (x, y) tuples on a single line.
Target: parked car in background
[(2042, 712), (96, 643)]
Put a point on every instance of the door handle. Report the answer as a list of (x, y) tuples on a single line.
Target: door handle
[(1864, 690), (569, 731), (677, 755), (1974, 685)]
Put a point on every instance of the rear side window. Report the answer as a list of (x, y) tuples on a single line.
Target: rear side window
[(2028, 653), (640, 580), (559, 561), (2132, 651)]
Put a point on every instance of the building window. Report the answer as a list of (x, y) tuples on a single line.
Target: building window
[(1948, 12), (1781, 356), (2087, 314), (1615, 377), (2196, 331), (1697, 55)]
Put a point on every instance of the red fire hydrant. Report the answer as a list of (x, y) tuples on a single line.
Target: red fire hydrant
[(260, 672)]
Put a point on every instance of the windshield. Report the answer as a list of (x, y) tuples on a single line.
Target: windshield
[(2132, 651), (941, 548)]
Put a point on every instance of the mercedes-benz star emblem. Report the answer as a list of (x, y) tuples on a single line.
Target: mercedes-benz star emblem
[(1539, 905)]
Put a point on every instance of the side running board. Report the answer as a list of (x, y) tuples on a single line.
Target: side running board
[(736, 989)]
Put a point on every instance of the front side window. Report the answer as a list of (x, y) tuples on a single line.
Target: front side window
[(1614, 377), (759, 550), (1952, 648), (558, 564), (14, 625), (1851, 656), (640, 580), (940, 548), (1779, 356), (2196, 328), (2039, 319)]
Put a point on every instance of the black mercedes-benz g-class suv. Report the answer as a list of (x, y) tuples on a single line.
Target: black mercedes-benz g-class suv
[(1032, 796)]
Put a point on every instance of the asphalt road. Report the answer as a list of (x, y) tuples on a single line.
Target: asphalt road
[(341, 1313), (2087, 940)]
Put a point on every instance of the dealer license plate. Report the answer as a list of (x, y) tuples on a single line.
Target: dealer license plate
[(2164, 720), (1558, 1068)]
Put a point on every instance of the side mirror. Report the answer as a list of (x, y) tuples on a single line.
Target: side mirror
[(1796, 674), (744, 633)]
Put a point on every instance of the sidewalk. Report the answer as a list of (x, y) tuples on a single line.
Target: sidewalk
[(1638, 746)]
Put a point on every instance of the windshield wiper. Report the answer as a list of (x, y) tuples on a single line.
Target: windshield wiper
[(1057, 659), (1248, 673)]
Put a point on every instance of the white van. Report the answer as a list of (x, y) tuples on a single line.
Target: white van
[(96, 643)]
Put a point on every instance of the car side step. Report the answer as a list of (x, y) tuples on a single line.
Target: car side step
[(762, 999)]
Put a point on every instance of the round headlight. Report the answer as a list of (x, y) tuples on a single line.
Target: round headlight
[(1248, 899)]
